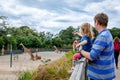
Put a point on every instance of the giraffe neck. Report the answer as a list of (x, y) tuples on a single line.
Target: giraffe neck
[(23, 46)]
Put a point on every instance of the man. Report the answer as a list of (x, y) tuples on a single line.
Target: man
[(101, 56)]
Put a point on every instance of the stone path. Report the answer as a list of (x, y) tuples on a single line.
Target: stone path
[(118, 71)]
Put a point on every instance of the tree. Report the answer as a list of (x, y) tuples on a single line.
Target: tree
[(21, 39), (57, 41), (3, 25), (95, 31), (67, 35), (1, 42), (33, 41), (115, 32)]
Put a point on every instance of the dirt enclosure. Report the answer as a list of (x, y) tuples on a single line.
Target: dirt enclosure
[(23, 63)]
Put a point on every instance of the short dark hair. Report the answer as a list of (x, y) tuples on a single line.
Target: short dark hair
[(102, 19)]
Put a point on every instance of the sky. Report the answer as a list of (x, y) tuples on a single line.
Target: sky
[(56, 15)]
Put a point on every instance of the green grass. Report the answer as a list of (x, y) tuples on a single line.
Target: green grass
[(28, 75), (57, 70)]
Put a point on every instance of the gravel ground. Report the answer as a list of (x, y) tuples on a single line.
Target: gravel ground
[(23, 64)]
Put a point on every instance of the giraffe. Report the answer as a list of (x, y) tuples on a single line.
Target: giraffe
[(56, 49), (2, 50), (26, 50), (36, 56), (32, 56)]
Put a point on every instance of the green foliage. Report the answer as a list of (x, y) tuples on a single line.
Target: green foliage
[(33, 39), (57, 41), (95, 31), (3, 26), (1, 41), (51, 71), (66, 35), (115, 32), (26, 76), (69, 54), (74, 51), (62, 73)]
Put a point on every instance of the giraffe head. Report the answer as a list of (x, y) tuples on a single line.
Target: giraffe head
[(21, 43), (54, 46), (3, 46)]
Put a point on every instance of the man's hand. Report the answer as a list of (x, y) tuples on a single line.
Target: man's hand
[(86, 54)]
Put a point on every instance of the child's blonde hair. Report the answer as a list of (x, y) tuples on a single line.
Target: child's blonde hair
[(86, 29)]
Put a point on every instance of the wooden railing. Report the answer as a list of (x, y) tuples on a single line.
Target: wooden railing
[(79, 72)]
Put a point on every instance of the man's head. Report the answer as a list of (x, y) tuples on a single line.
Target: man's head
[(101, 19)]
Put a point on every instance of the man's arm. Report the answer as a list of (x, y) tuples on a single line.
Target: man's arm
[(86, 54)]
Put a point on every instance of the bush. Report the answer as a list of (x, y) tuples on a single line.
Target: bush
[(28, 75)]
